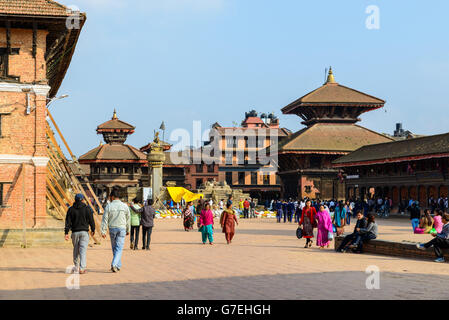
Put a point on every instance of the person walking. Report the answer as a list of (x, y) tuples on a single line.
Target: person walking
[(415, 215), (285, 210), (194, 213), (325, 228), (278, 206), (252, 206), (78, 220), (116, 218), (348, 213), (227, 221), (340, 218), (308, 223), (135, 226), (241, 207), (229, 201), (187, 215), (298, 213), (291, 210), (206, 225), (147, 222), (246, 206)]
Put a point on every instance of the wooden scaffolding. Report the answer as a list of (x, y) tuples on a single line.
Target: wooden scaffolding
[(62, 183)]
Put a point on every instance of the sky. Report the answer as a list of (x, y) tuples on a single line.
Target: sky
[(213, 60)]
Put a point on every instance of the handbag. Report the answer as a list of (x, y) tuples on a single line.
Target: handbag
[(330, 236), (200, 229), (299, 233)]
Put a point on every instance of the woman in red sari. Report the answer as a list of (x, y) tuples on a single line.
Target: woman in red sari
[(308, 223), (228, 220)]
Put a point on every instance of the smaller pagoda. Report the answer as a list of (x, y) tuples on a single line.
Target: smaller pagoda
[(116, 164)]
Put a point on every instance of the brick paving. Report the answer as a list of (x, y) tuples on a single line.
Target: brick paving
[(266, 261)]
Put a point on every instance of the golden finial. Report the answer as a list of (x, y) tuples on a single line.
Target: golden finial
[(101, 143), (330, 76), (114, 116)]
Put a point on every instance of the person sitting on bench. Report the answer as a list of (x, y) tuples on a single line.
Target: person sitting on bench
[(440, 240), (365, 234), (360, 224)]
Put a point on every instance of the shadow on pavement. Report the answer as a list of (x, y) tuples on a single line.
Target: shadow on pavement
[(346, 285)]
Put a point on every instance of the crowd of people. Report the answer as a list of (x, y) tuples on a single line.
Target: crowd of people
[(327, 217)]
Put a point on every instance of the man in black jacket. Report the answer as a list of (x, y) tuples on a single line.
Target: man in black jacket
[(361, 224), (78, 219)]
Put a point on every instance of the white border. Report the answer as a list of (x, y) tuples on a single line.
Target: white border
[(19, 159), (38, 89)]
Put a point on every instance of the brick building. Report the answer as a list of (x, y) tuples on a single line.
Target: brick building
[(240, 148), (180, 169), (36, 47)]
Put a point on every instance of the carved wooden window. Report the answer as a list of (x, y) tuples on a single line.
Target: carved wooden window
[(229, 178), (4, 62), (266, 179), (253, 178), (315, 162)]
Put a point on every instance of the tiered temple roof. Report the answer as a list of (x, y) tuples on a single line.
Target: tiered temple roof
[(333, 102), (330, 113), (114, 133)]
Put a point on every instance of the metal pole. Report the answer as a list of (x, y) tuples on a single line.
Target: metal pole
[(24, 244)]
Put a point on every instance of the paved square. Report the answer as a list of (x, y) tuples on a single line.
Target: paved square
[(266, 261)]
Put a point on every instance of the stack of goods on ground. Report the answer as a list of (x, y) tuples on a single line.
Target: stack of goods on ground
[(176, 214)]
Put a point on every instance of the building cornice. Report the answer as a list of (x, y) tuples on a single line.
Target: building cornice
[(19, 159), (38, 89)]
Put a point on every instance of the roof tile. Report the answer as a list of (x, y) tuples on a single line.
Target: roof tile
[(33, 7)]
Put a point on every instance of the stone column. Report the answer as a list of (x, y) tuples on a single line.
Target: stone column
[(156, 158)]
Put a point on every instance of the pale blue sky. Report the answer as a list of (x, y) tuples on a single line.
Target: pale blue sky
[(213, 60)]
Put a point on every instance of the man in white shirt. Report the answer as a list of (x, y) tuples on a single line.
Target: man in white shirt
[(117, 219)]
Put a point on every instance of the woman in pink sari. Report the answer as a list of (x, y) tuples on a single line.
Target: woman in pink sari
[(324, 227)]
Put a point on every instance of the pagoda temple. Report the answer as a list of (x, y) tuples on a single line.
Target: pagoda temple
[(330, 114), (116, 164)]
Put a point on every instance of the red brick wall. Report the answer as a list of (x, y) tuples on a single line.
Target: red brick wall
[(24, 65), (23, 134)]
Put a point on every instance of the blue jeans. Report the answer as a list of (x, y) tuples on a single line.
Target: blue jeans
[(279, 215), (415, 224), (363, 238), (117, 242)]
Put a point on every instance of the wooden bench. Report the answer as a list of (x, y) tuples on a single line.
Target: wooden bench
[(396, 249)]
